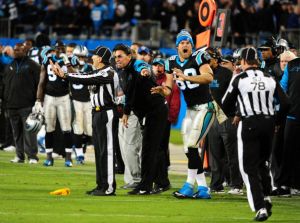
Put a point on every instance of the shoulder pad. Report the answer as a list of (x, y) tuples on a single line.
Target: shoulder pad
[(201, 57), (172, 57), (198, 51)]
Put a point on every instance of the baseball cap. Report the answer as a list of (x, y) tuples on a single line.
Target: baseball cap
[(249, 54), (143, 49), (267, 44), (102, 52), (159, 61)]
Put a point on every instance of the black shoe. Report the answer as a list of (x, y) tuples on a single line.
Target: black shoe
[(139, 192), (159, 189), (102, 193), (281, 192), (261, 215), (91, 191)]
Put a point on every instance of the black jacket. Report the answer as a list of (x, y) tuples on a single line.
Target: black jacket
[(20, 80), (138, 97)]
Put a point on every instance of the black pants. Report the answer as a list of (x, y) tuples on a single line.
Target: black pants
[(277, 153), (255, 135), (222, 141), (26, 142), (104, 130), (8, 138), (152, 134), (290, 168), (163, 159)]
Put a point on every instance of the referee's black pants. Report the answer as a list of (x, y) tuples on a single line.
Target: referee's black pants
[(155, 124), (255, 135), (104, 130)]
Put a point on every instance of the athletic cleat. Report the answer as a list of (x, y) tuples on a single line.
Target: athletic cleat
[(261, 215), (186, 191), (202, 193), (80, 159), (48, 162), (68, 163)]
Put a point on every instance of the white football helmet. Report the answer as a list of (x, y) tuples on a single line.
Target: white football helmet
[(34, 122), (81, 51)]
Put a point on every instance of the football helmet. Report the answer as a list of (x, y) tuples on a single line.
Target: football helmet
[(34, 122), (81, 51)]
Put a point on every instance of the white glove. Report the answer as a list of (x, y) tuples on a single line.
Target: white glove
[(65, 58), (38, 108)]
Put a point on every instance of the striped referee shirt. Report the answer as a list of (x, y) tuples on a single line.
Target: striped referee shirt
[(104, 82), (252, 92)]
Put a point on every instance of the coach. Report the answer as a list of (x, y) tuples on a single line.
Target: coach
[(146, 106), (20, 80)]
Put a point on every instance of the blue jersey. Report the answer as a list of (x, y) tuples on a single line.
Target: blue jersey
[(194, 94)]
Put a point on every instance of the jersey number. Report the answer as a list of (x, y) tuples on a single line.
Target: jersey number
[(187, 84), (77, 86), (51, 75), (258, 86)]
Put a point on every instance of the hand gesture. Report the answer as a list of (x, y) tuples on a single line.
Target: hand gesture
[(157, 90), (145, 72), (57, 70), (178, 74)]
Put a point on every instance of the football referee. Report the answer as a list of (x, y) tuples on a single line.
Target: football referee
[(254, 93), (103, 80)]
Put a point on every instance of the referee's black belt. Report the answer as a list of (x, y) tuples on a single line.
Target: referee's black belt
[(101, 108), (257, 116)]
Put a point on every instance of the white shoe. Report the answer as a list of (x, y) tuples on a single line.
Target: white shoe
[(236, 191), (9, 149), (295, 192), (16, 160), (33, 161)]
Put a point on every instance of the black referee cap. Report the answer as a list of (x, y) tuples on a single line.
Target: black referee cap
[(102, 52), (249, 54)]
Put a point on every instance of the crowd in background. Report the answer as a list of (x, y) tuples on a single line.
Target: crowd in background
[(277, 58), (249, 18)]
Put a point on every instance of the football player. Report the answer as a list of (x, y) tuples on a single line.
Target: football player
[(82, 123), (193, 75), (53, 92)]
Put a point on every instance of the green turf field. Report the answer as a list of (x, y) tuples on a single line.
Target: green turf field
[(24, 197)]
